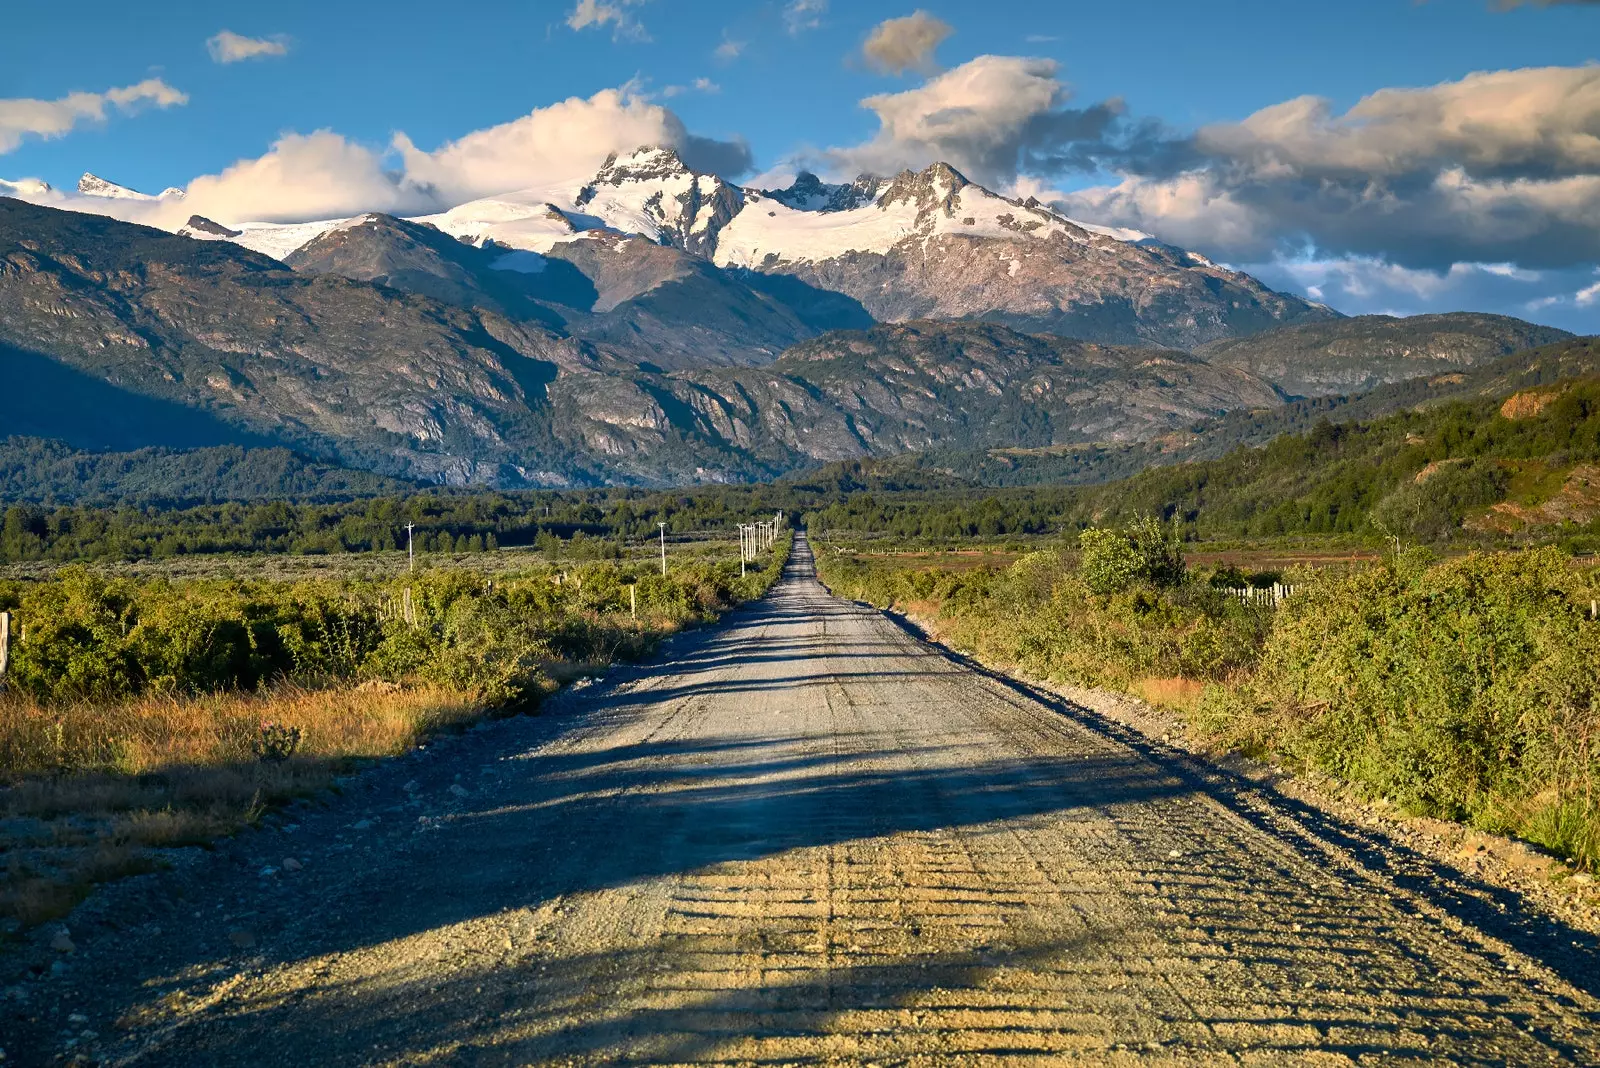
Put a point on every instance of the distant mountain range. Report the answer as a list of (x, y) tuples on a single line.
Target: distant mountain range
[(659, 326), (919, 245)]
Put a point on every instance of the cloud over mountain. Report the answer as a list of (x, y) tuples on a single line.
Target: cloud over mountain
[(323, 175), (997, 118)]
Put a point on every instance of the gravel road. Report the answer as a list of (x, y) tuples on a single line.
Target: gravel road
[(805, 836)]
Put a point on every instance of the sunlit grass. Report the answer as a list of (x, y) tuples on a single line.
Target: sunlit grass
[(90, 789)]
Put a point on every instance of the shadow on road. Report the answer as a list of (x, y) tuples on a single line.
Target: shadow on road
[(620, 809)]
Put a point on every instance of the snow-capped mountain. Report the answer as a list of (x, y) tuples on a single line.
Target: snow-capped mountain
[(927, 244), (92, 185)]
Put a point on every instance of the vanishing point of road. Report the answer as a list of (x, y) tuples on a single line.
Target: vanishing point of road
[(805, 836)]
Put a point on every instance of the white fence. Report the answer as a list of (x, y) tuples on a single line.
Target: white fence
[(1271, 596)]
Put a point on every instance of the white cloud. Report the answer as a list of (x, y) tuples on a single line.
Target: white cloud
[(1587, 295), (729, 49), (1497, 166), (1375, 285), (56, 118), (899, 45), (323, 175), (1545, 119), (601, 13), (974, 117), (563, 144), (802, 15), (699, 85), (230, 47), (311, 176)]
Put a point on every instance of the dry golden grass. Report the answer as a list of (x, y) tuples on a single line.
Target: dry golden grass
[(87, 791), (1178, 694)]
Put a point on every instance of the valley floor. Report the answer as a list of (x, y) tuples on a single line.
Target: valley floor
[(806, 836)]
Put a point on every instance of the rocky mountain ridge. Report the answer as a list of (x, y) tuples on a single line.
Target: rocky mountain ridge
[(927, 244), (462, 384)]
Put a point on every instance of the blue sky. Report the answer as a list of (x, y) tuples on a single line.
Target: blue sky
[(788, 78)]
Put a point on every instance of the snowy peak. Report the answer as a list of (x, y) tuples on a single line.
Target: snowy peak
[(652, 193), (937, 186), (92, 185), (810, 193), (646, 164)]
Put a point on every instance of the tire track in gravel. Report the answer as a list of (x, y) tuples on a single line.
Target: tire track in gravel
[(808, 837)]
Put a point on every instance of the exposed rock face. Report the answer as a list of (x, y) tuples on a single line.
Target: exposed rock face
[(380, 379), (889, 390), (200, 228), (1354, 355), (407, 384), (642, 302), (810, 193)]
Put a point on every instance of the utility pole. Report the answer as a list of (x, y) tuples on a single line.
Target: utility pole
[(411, 556), (663, 527)]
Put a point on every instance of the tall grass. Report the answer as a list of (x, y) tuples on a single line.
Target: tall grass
[(145, 713)]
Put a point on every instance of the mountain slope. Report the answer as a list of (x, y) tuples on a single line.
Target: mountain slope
[(919, 245), (1354, 355), (396, 383), (406, 385), (643, 302), (1531, 369), (933, 245), (36, 469), (889, 390)]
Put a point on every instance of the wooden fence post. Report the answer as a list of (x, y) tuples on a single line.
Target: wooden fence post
[(5, 642), (633, 600)]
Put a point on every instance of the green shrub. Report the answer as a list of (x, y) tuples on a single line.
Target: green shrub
[(1468, 689), (1111, 561)]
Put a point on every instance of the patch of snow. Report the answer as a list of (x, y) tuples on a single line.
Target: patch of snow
[(768, 227), (279, 239), (529, 219), (1120, 233), (92, 185)]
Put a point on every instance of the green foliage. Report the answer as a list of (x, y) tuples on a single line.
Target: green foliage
[(99, 638), (1431, 508), (1468, 689), (1111, 561), (1108, 561)]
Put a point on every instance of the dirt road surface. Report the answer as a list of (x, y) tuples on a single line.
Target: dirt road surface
[(805, 836)]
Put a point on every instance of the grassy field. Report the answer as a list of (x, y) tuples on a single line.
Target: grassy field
[(1465, 687), (153, 707)]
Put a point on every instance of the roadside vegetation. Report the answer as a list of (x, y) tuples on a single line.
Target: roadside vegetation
[(148, 713), (1466, 688)]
